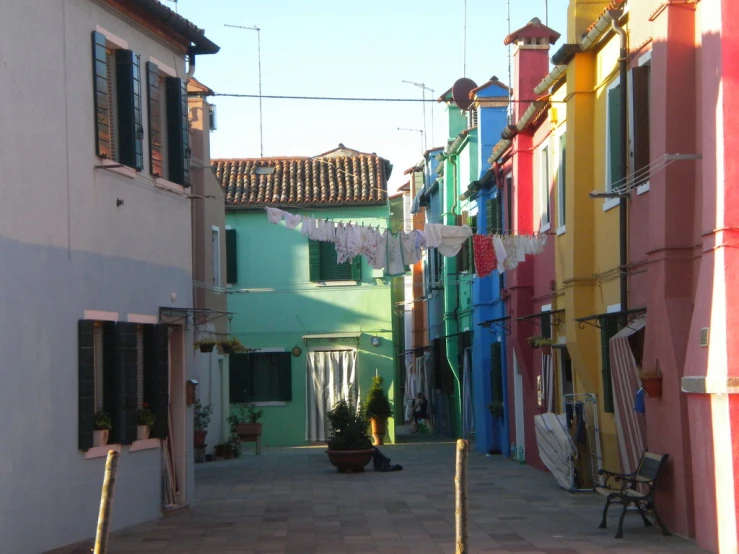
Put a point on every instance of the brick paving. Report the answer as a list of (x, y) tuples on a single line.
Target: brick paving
[(291, 501)]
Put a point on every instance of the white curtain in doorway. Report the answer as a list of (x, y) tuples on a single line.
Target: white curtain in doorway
[(330, 376), (468, 416)]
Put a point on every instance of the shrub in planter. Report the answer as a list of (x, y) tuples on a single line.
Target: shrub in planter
[(349, 446), (145, 422), (201, 420), (378, 409), (206, 345)]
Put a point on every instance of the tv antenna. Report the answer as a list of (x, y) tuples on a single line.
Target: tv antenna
[(424, 88)]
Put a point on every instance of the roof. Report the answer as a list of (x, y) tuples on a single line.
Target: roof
[(494, 81), (406, 187), (533, 29), (340, 176), (159, 15), (614, 5), (196, 87)]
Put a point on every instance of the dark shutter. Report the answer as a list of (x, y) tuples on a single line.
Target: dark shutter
[(286, 377), (232, 274), (85, 384), (616, 152), (109, 378), (641, 78), (314, 260), (124, 399), (155, 119), (492, 216), (238, 377), (178, 135), (330, 270), (546, 325), (609, 327), (562, 180), (100, 96), (150, 368), (356, 264), (130, 128), (496, 373), (161, 381)]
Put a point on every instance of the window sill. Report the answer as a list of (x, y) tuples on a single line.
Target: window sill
[(610, 203), (169, 185), (101, 451), (336, 283), (561, 230), (147, 444), (641, 189), (270, 403), (116, 167), (545, 227)]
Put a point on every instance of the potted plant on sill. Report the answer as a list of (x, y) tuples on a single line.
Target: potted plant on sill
[(206, 345), (245, 423), (146, 420), (349, 446), (377, 409), (232, 346), (497, 408), (102, 426), (651, 381), (201, 419), (545, 344)]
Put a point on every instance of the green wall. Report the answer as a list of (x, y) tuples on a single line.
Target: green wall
[(274, 258)]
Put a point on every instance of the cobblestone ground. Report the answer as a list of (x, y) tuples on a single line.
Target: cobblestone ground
[(292, 501)]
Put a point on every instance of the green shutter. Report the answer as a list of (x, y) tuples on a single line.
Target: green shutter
[(616, 152), (123, 412), (562, 180), (232, 275), (285, 392), (330, 270), (100, 96), (492, 216), (154, 99), (314, 260), (161, 381), (178, 133), (496, 373), (85, 384), (609, 327), (130, 128), (356, 264), (238, 377)]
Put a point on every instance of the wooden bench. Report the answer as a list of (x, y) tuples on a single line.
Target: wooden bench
[(634, 488)]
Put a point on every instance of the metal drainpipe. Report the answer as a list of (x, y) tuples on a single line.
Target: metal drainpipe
[(451, 297), (622, 206)]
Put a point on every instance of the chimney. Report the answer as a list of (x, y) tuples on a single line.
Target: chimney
[(530, 61), (581, 14)]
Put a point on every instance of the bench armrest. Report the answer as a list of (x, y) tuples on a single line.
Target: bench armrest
[(616, 481)]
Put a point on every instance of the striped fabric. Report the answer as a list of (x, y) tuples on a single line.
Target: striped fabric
[(548, 378), (629, 431), (330, 376)]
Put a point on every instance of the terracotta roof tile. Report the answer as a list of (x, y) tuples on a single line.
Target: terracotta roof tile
[(614, 5), (345, 177)]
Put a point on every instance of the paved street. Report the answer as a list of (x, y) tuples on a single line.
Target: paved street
[(292, 501)]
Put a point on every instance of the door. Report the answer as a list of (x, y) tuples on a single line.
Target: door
[(518, 392), (330, 376)]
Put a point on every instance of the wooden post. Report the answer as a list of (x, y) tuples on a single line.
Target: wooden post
[(106, 503), (460, 488)]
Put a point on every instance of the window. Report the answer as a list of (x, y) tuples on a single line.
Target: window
[(544, 199), (496, 373), (562, 183), (119, 132), (473, 117), (260, 377), (641, 79), (466, 256), (614, 148), (232, 275), (609, 326), (215, 245), (121, 366), (323, 266), (493, 216)]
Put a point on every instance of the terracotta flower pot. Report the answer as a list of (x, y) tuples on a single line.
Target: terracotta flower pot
[(350, 460), (652, 386), (379, 427), (100, 437), (546, 349), (200, 439), (248, 430), (206, 347), (142, 432)]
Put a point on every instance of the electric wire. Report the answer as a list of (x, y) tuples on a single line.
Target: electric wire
[(354, 99)]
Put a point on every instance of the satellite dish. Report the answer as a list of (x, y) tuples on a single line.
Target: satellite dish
[(461, 92)]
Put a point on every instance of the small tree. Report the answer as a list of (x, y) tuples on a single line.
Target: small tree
[(348, 428), (377, 405)]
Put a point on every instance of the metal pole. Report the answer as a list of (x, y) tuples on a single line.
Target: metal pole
[(460, 488), (106, 503)]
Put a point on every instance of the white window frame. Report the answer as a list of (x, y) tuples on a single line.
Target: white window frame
[(215, 242), (609, 203), (545, 195), (561, 187)]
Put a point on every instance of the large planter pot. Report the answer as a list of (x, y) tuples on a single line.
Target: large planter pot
[(199, 441), (248, 430), (379, 427), (350, 460), (652, 386), (206, 347), (142, 432), (100, 437), (546, 349)]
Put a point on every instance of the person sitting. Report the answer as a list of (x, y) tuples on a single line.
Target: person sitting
[(420, 410)]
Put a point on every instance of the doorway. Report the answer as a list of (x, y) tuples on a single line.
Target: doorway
[(331, 375)]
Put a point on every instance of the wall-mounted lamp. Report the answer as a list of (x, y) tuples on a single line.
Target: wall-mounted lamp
[(375, 341)]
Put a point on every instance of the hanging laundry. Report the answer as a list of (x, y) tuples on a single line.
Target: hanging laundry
[(394, 255), (292, 220), (380, 256), (448, 239), (274, 215), (411, 245), (500, 253), (511, 261), (523, 243), (485, 260)]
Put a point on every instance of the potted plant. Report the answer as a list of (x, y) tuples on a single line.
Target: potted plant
[(146, 419), (232, 346), (651, 381), (497, 408), (545, 344), (245, 423), (534, 341), (206, 345), (377, 409), (201, 420), (349, 446), (224, 450), (102, 426)]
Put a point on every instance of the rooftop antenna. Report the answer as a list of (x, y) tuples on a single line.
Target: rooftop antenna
[(546, 13), (464, 55), (510, 73), (424, 88), (423, 138), (259, 57), (175, 4)]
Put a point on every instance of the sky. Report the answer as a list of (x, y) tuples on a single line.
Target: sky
[(348, 48)]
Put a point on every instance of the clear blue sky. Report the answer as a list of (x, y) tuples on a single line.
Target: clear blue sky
[(349, 48)]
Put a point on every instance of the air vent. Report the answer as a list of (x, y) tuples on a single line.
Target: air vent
[(704, 336)]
